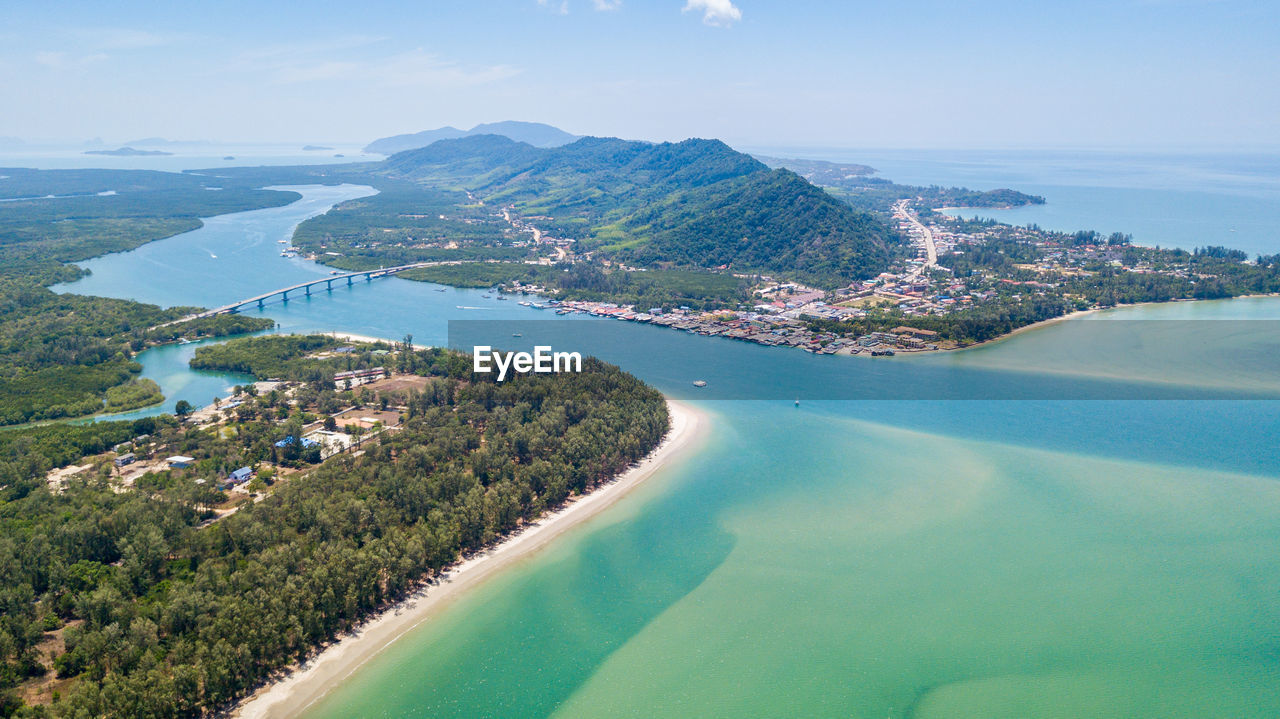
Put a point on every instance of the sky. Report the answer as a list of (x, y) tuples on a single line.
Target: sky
[(1134, 74)]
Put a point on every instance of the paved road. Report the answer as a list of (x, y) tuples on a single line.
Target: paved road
[(903, 208)]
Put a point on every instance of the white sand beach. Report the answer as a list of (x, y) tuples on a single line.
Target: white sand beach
[(293, 693)]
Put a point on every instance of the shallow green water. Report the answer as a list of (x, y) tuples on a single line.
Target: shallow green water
[(877, 558), (892, 573)]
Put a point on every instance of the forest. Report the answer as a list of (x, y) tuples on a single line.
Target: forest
[(772, 222), (40, 236), (153, 611), (66, 355), (60, 354), (590, 281)]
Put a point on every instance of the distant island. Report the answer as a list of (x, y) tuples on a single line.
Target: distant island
[(315, 148), (533, 133), (127, 152)]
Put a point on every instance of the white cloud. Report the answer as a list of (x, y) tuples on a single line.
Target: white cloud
[(606, 4), (721, 13), (562, 8)]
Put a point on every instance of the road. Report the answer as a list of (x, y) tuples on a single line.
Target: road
[(903, 209)]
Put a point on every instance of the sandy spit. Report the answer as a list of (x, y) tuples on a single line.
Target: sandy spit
[(291, 694)]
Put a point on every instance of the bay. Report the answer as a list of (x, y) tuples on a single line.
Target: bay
[(899, 554)]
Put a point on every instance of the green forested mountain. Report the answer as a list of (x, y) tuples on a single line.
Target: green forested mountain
[(696, 203), (751, 222)]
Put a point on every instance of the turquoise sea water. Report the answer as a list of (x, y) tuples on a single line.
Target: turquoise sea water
[(1050, 556)]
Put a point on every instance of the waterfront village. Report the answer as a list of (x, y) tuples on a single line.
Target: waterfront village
[(920, 287), (277, 430)]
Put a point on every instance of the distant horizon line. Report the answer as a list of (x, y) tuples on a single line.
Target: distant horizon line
[(14, 144)]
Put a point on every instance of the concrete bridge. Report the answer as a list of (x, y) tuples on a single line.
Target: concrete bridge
[(348, 278)]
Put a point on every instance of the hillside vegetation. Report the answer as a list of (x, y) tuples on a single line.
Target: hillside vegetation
[(693, 204)]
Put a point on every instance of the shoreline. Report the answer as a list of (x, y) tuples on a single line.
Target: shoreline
[(1025, 328), (350, 337), (1077, 315), (302, 685)]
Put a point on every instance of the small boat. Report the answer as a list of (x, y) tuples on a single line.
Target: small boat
[(335, 272), (440, 290), (797, 401), (700, 383), (283, 242), (516, 334), (502, 299)]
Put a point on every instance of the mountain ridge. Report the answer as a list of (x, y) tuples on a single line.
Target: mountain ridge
[(695, 203), (533, 133)]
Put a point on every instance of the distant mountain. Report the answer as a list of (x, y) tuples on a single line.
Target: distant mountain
[(533, 133), (127, 152), (696, 203), (820, 172)]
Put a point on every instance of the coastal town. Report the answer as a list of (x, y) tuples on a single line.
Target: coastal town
[(1033, 265)]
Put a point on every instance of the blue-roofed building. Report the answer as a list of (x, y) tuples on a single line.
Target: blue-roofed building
[(307, 442), (241, 475)]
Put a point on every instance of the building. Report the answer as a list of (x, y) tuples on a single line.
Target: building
[(179, 461), (355, 378), (244, 474), (126, 459)]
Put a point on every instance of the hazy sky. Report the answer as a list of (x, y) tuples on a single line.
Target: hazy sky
[(900, 73)]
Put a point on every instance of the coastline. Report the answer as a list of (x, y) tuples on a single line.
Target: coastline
[(1074, 316), (349, 337), (1025, 328), (303, 685)]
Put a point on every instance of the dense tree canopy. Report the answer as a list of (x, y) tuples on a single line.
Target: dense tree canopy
[(165, 615)]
